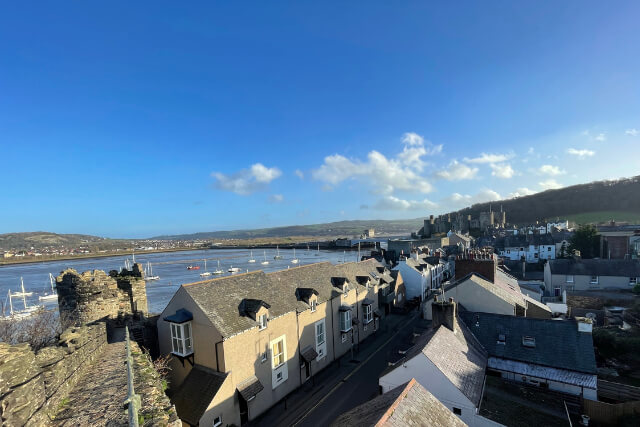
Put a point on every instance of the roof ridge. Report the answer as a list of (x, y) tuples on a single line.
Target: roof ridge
[(391, 409), (223, 277)]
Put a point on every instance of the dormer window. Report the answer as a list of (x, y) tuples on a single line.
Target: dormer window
[(594, 280), (262, 321), (529, 341), (314, 305), (345, 290)]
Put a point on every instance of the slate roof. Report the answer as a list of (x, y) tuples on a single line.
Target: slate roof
[(196, 393), (504, 287), (595, 267), (407, 405), (309, 354), (250, 387), (558, 344), (180, 316), (221, 299), (457, 355)]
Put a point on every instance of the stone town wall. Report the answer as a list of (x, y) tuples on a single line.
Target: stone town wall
[(94, 295), (32, 386)]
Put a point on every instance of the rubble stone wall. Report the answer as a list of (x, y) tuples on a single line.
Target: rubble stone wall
[(95, 295), (33, 385)]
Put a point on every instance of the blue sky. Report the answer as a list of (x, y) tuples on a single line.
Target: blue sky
[(136, 119)]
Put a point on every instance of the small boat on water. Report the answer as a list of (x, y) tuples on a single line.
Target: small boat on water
[(251, 260), (49, 296), (20, 314), (265, 262), (148, 273), (193, 267), (23, 293), (217, 270), (233, 269), (278, 256), (205, 273), (294, 260), (318, 253)]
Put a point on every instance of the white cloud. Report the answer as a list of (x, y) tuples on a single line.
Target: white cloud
[(276, 198), (245, 182), (551, 170), (391, 203), (523, 191), (601, 137), (550, 184), (502, 170), (489, 158), (299, 173), (384, 174), (581, 153), (631, 132), (463, 200), (457, 171)]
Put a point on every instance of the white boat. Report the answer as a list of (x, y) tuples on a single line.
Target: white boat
[(53, 295), (217, 270), (233, 269), (251, 260), (265, 262), (278, 256), (23, 293), (21, 314), (294, 260), (148, 274), (318, 253), (205, 273)]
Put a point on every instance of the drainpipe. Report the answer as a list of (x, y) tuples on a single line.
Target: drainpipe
[(217, 358), (333, 333), (298, 337)]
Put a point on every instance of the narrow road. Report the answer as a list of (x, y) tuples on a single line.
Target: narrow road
[(361, 385)]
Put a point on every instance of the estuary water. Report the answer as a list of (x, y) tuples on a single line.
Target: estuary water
[(170, 266)]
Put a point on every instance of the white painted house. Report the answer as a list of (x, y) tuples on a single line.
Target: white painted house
[(447, 362), (420, 276), (560, 225), (532, 248)]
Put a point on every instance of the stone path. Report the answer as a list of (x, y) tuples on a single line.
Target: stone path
[(97, 399)]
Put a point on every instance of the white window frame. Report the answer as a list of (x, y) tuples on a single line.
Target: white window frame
[(219, 422), (262, 322), (367, 313), (181, 338), (314, 305), (279, 372), (633, 281), (570, 278), (344, 338), (321, 339), (597, 280), (345, 323)]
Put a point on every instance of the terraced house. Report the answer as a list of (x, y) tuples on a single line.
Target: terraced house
[(242, 343)]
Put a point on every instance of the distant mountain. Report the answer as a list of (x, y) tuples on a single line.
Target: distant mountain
[(593, 202), (42, 239), (332, 229)]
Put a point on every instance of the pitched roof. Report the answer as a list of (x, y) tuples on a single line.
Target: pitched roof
[(223, 299), (406, 405), (196, 393), (457, 355), (504, 287), (558, 344), (460, 359), (595, 267)]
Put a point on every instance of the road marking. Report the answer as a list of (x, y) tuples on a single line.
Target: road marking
[(313, 408)]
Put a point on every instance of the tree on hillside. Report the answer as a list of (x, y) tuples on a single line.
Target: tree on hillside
[(586, 240)]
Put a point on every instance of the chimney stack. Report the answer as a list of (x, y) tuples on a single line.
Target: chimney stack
[(444, 313)]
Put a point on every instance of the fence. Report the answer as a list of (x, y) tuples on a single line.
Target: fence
[(609, 414), (618, 392), (133, 400)]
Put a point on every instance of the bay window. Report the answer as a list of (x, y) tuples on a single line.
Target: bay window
[(181, 341)]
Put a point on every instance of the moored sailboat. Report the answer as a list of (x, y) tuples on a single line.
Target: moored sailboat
[(49, 296)]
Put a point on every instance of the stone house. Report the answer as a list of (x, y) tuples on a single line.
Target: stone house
[(242, 343), (590, 274)]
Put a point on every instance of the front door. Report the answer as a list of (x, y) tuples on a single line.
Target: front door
[(244, 410), (307, 370)]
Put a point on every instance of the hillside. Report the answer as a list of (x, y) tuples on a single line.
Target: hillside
[(332, 229), (41, 239), (593, 202)]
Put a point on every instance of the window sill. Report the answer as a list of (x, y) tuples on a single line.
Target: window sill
[(182, 354), (368, 321), (344, 331)]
